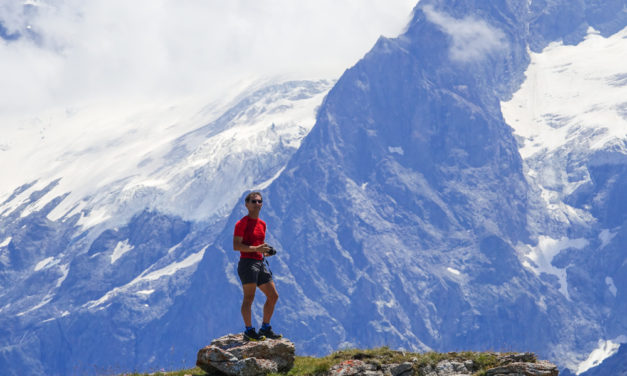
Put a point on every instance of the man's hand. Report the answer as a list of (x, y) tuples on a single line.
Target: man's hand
[(238, 245), (263, 248)]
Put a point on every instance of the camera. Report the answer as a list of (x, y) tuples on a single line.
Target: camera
[(271, 251)]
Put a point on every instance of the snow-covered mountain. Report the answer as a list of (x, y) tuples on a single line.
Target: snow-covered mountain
[(105, 225), (462, 189)]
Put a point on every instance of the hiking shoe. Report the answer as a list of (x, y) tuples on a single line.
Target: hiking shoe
[(268, 333), (252, 335)]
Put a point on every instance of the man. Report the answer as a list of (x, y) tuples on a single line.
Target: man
[(249, 239)]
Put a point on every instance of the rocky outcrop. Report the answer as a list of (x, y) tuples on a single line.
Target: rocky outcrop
[(541, 368), (448, 368), (232, 355), (523, 364), (359, 367)]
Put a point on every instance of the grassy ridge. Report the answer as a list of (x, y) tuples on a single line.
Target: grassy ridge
[(311, 366)]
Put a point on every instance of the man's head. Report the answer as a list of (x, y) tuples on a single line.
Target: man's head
[(253, 196), (254, 202)]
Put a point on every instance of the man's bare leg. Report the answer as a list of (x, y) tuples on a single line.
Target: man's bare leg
[(247, 302), (269, 289)]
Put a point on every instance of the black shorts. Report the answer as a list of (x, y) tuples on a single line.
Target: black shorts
[(253, 271)]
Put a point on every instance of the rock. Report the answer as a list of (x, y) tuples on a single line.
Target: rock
[(521, 364), (359, 367), (540, 368), (232, 355), (253, 367), (213, 354), (517, 358), (354, 367), (403, 369), (449, 368)]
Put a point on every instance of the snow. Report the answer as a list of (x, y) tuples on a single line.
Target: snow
[(10, 206), (570, 92), (606, 237), (48, 262), (120, 249), (267, 183), (6, 242), (396, 149), (571, 105), (146, 276), (597, 356), (171, 269), (541, 257), (93, 218), (43, 263), (92, 145), (45, 301), (453, 271), (174, 248), (112, 164), (65, 269), (385, 303), (611, 286)]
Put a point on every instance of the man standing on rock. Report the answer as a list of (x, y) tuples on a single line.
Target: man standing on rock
[(249, 239)]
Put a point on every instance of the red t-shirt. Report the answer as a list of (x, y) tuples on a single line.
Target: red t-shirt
[(253, 232)]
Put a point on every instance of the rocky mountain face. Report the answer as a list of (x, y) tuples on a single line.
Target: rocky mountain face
[(410, 216)]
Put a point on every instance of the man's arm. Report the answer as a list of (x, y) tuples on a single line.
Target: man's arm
[(238, 245)]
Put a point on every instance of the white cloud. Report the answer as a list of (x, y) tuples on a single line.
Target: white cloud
[(472, 39), (74, 51)]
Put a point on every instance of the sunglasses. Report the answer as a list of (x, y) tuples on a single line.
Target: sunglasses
[(256, 201)]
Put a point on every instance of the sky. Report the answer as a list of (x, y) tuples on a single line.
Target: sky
[(62, 53)]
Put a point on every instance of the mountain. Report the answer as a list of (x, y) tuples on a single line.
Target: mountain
[(462, 189), (110, 255), (416, 215)]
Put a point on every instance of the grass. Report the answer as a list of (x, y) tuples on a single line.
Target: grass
[(311, 366)]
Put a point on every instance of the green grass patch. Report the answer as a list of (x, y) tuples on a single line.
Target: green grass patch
[(306, 365)]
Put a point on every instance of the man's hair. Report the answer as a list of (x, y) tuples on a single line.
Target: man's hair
[(251, 194)]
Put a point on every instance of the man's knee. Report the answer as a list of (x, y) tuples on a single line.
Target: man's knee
[(273, 297), (247, 302), (248, 299)]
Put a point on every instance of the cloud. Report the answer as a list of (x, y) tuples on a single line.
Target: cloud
[(472, 39), (71, 51)]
